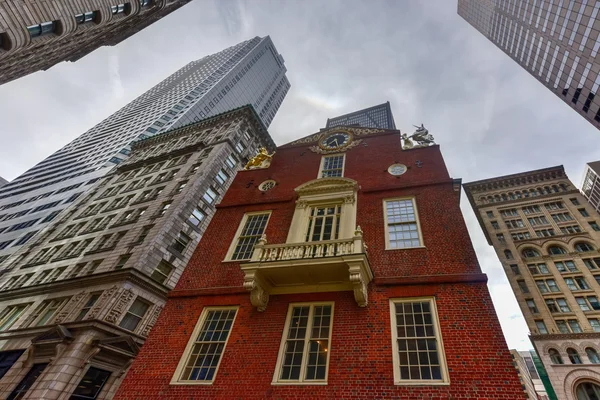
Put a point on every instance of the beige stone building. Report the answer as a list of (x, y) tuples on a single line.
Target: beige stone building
[(548, 238), (528, 374), (77, 303), (36, 34)]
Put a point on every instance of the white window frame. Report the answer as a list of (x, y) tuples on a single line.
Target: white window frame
[(386, 224), (343, 155), (234, 241), (438, 334), (280, 355), (176, 379)]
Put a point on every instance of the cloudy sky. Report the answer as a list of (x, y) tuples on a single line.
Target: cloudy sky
[(489, 116)]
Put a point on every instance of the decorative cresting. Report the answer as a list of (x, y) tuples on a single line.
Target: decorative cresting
[(421, 137), (260, 160), (317, 266)]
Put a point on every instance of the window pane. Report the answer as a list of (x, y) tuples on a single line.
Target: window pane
[(91, 384), (402, 227), (252, 231)]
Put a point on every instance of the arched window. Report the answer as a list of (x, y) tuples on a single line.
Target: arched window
[(508, 254), (533, 192), (592, 355), (582, 247), (588, 391), (528, 253), (511, 196), (555, 189), (555, 357), (497, 199), (504, 198), (556, 250), (547, 190), (574, 356), (563, 187), (518, 195)]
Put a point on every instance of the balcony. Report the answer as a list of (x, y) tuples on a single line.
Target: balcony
[(324, 266)]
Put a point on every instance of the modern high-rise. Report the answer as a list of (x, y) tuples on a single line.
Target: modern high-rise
[(35, 36), (547, 238), (379, 116), (556, 41), (3, 181), (78, 300), (252, 72), (591, 184)]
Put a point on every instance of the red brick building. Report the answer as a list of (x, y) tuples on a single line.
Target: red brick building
[(341, 270)]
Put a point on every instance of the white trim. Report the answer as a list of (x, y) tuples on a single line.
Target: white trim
[(280, 355), (386, 225), (232, 246), (438, 334), (176, 379), (343, 155)]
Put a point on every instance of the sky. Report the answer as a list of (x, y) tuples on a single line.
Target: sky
[(489, 116)]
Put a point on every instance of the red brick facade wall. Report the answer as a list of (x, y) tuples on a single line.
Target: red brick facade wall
[(360, 365)]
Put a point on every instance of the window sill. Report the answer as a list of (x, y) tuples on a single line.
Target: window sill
[(414, 383), (299, 383), (406, 248), (177, 383)]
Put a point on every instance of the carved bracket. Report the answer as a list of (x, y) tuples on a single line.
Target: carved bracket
[(359, 286), (258, 296)]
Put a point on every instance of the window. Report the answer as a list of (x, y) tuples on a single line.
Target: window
[(164, 208), (573, 356), (529, 253), (86, 17), (46, 311), (536, 269), (556, 250), (41, 29), (8, 359), (27, 381), (500, 237), (574, 201), (577, 283), (88, 306), (196, 217), (532, 306), (416, 342), (251, 229), (549, 285), (91, 384), (490, 214), (566, 266), (118, 9), (520, 235), (562, 217), (591, 263), (535, 221), (541, 326), (231, 161), (209, 196), (204, 351), (592, 355), (523, 286), (508, 254), (515, 269), (323, 224), (181, 242), (222, 177), (594, 225), (595, 323), (122, 261), (332, 166), (134, 315), (240, 147), (531, 210), (583, 212), (304, 351), (495, 225), (403, 229), (582, 247), (162, 272), (555, 357), (10, 315)]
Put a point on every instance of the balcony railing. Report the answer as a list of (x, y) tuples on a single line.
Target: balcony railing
[(328, 265)]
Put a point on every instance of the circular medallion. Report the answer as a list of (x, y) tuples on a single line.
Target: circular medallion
[(336, 140), (397, 169), (267, 185)]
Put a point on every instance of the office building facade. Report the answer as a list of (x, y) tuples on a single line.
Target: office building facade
[(591, 186), (379, 116), (529, 375), (77, 302), (341, 269), (251, 72), (556, 41), (35, 35), (547, 238)]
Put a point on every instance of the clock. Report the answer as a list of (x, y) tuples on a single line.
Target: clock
[(336, 140), (397, 169)]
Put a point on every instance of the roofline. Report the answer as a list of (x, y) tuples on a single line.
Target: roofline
[(513, 176)]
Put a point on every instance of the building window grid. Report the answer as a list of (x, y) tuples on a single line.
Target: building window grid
[(253, 228), (402, 224), (333, 166)]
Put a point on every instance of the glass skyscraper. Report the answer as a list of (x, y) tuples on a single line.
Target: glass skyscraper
[(556, 41), (379, 116), (251, 72)]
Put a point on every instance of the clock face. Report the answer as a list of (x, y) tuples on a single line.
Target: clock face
[(397, 169), (336, 140)]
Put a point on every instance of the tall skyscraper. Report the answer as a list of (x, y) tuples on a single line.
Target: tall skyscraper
[(282, 298), (547, 238), (3, 181), (379, 116), (252, 72), (78, 301), (556, 41), (591, 184), (35, 36)]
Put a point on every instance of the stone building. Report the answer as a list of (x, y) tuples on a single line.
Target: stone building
[(529, 375), (37, 34), (77, 303), (590, 186), (342, 270), (547, 238)]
